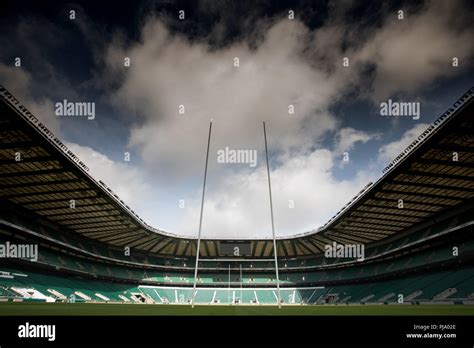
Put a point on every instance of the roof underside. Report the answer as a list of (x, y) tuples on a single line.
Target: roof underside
[(428, 179)]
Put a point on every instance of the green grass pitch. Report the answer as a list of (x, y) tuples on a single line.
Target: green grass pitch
[(34, 309)]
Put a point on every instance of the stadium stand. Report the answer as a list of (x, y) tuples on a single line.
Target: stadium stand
[(421, 252)]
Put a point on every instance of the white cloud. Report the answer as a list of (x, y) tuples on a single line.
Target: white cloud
[(391, 150), (126, 181), (168, 71), (347, 138), (289, 65), (239, 206)]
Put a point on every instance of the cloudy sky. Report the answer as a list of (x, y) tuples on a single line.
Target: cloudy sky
[(404, 56)]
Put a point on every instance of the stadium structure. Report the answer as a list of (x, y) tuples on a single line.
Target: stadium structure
[(416, 223)]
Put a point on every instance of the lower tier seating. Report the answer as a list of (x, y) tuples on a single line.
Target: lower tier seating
[(446, 285)]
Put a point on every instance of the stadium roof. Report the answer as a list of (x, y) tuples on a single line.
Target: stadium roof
[(427, 176)]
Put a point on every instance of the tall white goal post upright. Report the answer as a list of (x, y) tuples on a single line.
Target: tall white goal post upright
[(275, 250), (200, 217)]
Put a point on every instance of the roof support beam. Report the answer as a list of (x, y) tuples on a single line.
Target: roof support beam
[(40, 193), (344, 239), (29, 160), (293, 247), (120, 237), (58, 200), (452, 147), (269, 246), (150, 247), (285, 251), (74, 213), (176, 243), (206, 247), (123, 241), (34, 173), (420, 194), (100, 234), (42, 210), (167, 243), (432, 186), (98, 224), (385, 216), (304, 246), (446, 163), (99, 219), (358, 238), (40, 183), (363, 231), (143, 244), (395, 200), (440, 175), (18, 145), (388, 215), (366, 224), (398, 209), (90, 230), (186, 249), (310, 241)]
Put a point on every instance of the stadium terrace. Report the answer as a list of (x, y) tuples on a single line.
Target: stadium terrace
[(417, 253)]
